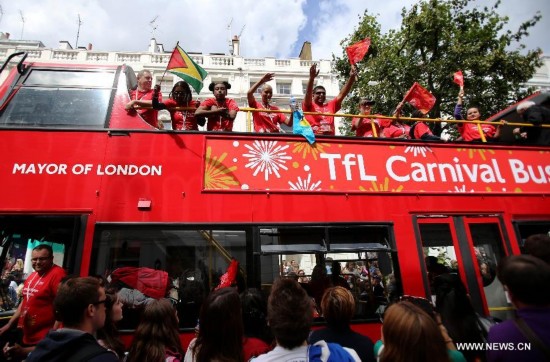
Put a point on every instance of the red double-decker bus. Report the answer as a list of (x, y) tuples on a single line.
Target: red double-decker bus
[(108, 191)]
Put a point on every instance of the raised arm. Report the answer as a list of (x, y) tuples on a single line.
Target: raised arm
[(308, 98), (458, 108), (250, 94), (347, 87)]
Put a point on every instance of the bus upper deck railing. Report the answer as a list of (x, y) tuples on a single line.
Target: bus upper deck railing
[(249, 112)]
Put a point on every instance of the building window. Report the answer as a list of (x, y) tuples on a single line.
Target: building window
[(259, 90), (283, 88), (304, 87)]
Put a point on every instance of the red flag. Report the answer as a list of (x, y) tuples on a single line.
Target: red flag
[(230, 275), (356, 52), (459, 78), (420, 98)]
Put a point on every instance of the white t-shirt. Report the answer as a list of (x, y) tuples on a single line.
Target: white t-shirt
[(280, 354)]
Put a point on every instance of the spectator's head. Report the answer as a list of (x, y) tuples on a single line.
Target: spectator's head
[(418, 114), (409, 334), (365, 105), (80, 304), (181, 93), (538, 245), (145, 80), (526, 278), (221, 327), (156, 332), (523, 106), (219, 88), (42, 258), (473, 113), (338, 306), (336, 268), (254, 309), (319, 94), (267, 93), (289, 313)]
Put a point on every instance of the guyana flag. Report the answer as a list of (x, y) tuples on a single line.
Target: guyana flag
[(184, 67)]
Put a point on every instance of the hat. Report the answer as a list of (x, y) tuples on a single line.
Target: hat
[(367, 101)]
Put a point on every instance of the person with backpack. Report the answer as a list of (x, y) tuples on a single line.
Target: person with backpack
[(289, 314), (80, 306)]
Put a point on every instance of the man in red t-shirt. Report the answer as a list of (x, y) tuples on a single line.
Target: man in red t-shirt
[(314, 101), (264, 121), (144, 92), (220, 111), (36, 312)]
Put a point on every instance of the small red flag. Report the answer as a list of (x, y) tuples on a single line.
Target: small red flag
[(459, 78), (230, 275), (420, 98), (356, 52)]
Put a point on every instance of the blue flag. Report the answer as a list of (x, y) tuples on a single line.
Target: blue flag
[(301, 126)]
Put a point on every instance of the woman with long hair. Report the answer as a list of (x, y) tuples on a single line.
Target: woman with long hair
[(108, 335), (156, 338), (457, 313), (411, 335), (220, 336)]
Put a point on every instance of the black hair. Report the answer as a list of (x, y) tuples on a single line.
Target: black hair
[(319, 87), (527, 278), (213, 84), (417, 114), (186, 90)]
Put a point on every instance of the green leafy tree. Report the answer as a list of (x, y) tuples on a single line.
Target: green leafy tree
[(437, 38)]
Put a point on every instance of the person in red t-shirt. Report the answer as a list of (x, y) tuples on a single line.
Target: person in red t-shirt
[(220, 111), (420, 130), (144, 93), (180, 97), (363, 127), (264, 121), (470, 131), (314, 101), (36, 312)]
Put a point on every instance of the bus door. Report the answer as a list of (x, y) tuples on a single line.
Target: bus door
[(470, 246)]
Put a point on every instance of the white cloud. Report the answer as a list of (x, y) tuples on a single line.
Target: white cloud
[(270, 27)]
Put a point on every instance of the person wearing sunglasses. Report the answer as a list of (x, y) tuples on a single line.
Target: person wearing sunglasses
[(80, 306), (315, 101)]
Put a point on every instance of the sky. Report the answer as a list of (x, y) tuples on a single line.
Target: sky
[(267, 28)]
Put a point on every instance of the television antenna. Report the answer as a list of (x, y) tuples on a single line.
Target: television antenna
[(153, 25), (78, 32), (23, 23), (1, 13)]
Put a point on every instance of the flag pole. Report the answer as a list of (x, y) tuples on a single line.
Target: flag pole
[(165, 69)]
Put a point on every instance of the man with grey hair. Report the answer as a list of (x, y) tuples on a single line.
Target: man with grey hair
[(538, 116), (144, 92)]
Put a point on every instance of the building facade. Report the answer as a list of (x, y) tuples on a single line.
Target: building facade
[(291, 75)]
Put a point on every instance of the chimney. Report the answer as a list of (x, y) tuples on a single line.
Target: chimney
[(4, 36), (305, 53), (235, 44), (153, 46), (89, 46)]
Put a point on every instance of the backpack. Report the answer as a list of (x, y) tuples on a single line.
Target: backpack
[(328, 352)]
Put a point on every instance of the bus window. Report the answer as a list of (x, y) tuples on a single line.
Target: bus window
[(53, 98), (367, 265), (182, 264), (488, 250), (19, 235), (524, 229), (439, 252)]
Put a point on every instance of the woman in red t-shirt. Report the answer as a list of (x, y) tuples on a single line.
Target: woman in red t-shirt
[(220, 111), (181, 107)]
